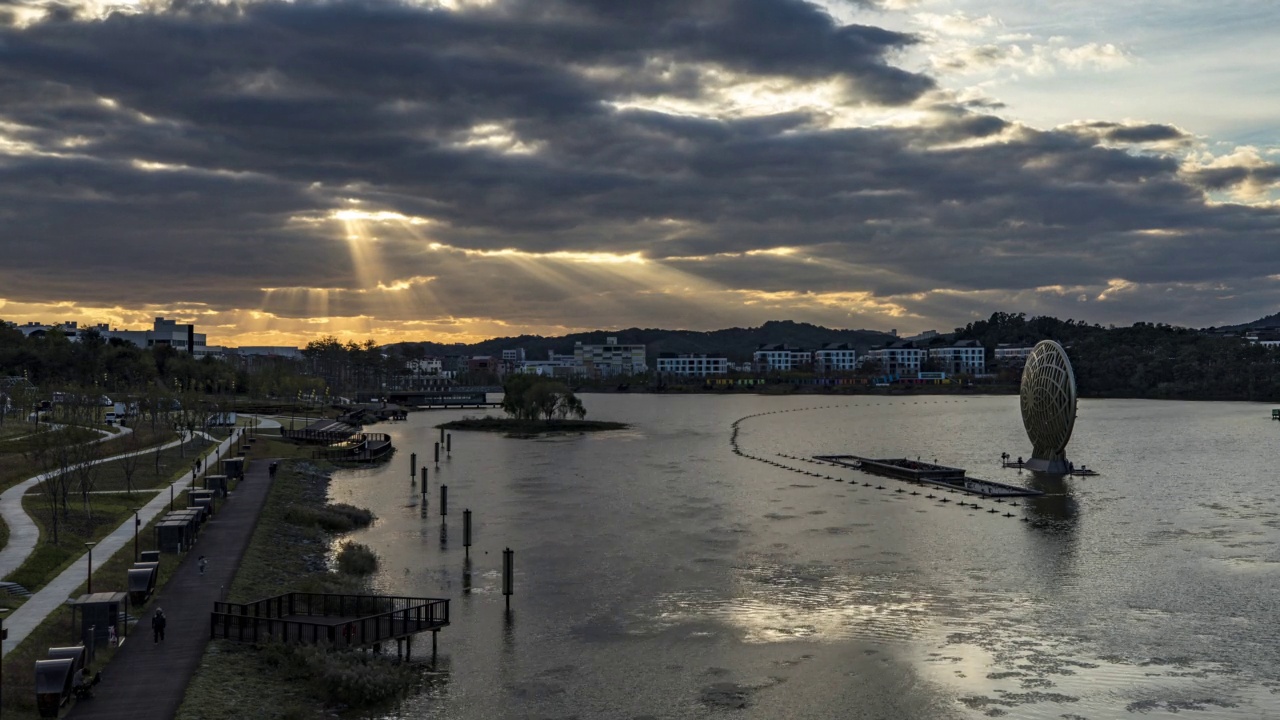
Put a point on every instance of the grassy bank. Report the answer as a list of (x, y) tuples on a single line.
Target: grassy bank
[(530, 427), (289, 551)]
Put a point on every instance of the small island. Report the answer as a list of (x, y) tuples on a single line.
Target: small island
[(518, 426), (536, 406)]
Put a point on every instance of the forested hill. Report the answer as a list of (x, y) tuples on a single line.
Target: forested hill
[(1145, 360), (735, 343)]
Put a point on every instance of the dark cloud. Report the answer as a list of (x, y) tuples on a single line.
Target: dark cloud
[(192, 153), (1136, 133)]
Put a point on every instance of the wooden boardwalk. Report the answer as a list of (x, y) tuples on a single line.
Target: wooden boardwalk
[(146, 681)]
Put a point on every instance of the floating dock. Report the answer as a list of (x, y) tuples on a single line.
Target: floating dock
[(952, 478)]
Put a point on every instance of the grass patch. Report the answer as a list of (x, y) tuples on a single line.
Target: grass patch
[(74, 530), (149, 471), (289, 551), (530, 427), (332, 518)]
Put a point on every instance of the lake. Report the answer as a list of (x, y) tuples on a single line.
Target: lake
[(659, 575)]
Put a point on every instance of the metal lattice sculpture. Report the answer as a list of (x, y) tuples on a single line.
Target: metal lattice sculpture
[(1048, 405)]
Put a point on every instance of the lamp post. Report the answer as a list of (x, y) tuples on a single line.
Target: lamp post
[(137, 523), (4, 635), (89, 588)]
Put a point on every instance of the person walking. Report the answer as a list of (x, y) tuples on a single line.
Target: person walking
[(203, 564), (158, 621)]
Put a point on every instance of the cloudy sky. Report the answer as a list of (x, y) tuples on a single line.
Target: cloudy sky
[(460, 169)]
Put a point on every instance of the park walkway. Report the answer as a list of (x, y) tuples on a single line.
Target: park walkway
[(23, 532), (53, 596), (147, 680), (31, 613)]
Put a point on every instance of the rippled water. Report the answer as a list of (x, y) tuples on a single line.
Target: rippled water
[(660, 575)]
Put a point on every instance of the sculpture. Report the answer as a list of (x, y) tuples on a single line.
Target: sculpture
[(1048, 397)]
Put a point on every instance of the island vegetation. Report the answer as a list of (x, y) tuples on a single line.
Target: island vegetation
[(536, 405)]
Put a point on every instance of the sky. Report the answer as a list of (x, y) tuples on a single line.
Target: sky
[(453, 170)]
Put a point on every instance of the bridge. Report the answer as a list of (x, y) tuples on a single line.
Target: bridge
[(452, 398)]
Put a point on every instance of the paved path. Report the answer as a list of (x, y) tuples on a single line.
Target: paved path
[(147, 680), (23, 532), (22, 621)]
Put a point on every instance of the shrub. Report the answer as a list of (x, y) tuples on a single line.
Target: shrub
[(333, 518), (357, 559)]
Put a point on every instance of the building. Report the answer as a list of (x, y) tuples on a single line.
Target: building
[(1011, 354), (610, 359), (278, 351), (1265, 339), (183, 338), (425, 366), (835, 357), (899, 358), (781, 358), (514, 356), (692, 365), (556, 365), (962, 357)]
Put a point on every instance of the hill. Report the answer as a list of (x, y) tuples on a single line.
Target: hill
[(735, 343)]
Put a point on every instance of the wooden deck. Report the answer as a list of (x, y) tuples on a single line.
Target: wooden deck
[(336, 621)]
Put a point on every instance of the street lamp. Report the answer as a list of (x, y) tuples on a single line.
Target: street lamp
[(4, 635), (137, 523), (90, 545)]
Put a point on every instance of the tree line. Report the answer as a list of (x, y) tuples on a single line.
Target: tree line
[(1145, 360)]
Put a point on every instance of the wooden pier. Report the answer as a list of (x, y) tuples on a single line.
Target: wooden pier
[(916, 471), (334, 621)]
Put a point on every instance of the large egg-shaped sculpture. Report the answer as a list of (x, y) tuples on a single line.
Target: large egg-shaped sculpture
[(1048, 406)]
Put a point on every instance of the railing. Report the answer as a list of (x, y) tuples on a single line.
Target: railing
[(352, 620), (319, 436), (363, 446)]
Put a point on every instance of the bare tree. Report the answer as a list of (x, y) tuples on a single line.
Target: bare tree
[(87, 461), (132, 459)]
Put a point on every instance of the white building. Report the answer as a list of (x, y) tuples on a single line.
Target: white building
[(965, 356), (183, 338), (425, 366), (900, 358), (514, 357), (692, 365), (1270, 340), (1012, 354), (554, 366), (781, 358), (835, 357), (610, 358)]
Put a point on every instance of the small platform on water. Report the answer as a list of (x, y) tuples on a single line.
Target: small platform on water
[(930, 473)]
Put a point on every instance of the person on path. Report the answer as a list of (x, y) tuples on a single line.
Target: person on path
[(203, 564), (158, 621)]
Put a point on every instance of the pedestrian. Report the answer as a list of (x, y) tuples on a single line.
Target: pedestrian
[(203, 564), (158, 621)]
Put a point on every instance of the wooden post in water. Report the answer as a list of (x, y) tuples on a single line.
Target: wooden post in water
[(444, 500), (466, 531), (508, 572), (437, 454), (413, 467), (448, 444)]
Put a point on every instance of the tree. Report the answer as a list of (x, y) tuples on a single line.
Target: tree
[(531, 397)]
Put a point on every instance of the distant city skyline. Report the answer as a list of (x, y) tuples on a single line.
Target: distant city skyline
[(466, 169)]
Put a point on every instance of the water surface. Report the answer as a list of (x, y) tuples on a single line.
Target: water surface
[(660, 575)]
